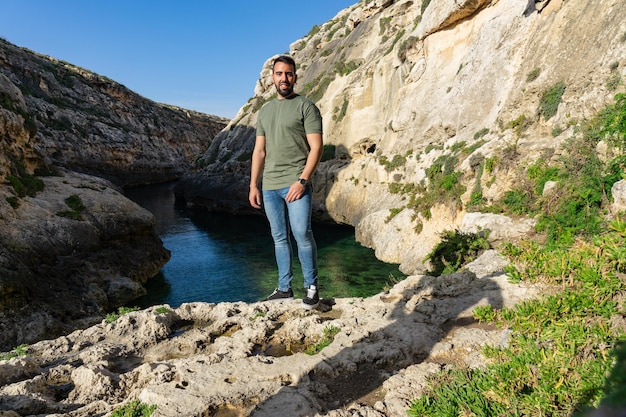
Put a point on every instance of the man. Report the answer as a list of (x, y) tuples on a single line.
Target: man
[(287, 151)]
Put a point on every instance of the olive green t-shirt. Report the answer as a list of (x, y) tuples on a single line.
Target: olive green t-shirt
[(285, 124)]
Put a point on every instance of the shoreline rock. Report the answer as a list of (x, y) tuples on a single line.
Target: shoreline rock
[(60, 273), (200, 358)]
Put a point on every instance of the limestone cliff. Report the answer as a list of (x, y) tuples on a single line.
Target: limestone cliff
[(91, 124), (411, 88), (72, 247)]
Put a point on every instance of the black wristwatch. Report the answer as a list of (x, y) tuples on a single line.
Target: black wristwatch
[(302, 181)]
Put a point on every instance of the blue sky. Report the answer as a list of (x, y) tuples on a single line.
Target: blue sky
[(198, 54)]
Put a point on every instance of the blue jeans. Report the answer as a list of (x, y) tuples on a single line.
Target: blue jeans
[(286, 218)]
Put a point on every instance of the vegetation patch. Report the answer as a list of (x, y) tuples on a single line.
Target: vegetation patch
[(76, 206), (550, 100), (567, 349), (455, 250), (340, 113), (482, 132), (134, 408), (111, 317), (327, 338), (560, 350), (396, 162), (345, 68), (533, 75), (6, 101), (17, 352), (24, 183)]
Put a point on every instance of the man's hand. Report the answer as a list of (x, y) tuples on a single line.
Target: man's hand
[(296, 191), (255, 197)]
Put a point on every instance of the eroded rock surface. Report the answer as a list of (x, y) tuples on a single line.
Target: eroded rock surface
[(247, 359), (62, 269)]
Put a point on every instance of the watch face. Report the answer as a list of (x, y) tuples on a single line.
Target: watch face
[(302, 181)]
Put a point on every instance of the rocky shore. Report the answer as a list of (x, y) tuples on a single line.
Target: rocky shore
[(238, 359)]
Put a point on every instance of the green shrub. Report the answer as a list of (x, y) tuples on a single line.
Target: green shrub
[(340, 113), (162, 310), (111, 317), (396, 162), (384, 24), (134, 408), (550, 100), (345, 68), (393, 212), (482, 132), (533, 75), (76, 208), (25, 184), (13, 202), (18, 351), (327, 338), (455, 250), (520, 124), (613, 81), (613, 123)]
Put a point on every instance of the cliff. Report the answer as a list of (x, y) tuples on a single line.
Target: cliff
[(411, 94), (88, 123), (72, 247)]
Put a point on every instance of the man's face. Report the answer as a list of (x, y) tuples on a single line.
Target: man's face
[(284, 78)]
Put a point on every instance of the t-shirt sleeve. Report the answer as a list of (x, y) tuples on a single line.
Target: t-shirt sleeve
[(260, 131), (312, 119)]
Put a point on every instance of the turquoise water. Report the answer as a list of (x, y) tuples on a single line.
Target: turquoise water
[(217, 257)]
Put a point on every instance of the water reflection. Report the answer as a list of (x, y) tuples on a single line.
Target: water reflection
[(217, 257)]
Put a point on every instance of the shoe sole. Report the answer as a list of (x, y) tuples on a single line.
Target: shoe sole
[(310, 306), (281, 299)]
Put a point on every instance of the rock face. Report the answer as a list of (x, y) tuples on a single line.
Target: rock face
[(87, 123), (60, 272), (405, 89), (72, 247), (242, 359)]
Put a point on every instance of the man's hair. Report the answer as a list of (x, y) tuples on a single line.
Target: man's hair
[(286, 60)]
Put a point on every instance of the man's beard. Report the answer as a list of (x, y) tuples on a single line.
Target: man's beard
[(284, 92)]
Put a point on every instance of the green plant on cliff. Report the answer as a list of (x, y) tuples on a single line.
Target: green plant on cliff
[(550, 100), (396, 162), (327, 338), (76, 206), (134, 408), (17, 352), (566, 353), (111, 317), (533, 75), (315, 89), (340, 113), (456, 249), (24, 183)]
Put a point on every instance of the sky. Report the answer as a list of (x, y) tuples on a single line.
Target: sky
[(202, 55)]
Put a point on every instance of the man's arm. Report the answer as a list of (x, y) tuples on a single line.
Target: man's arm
[(316, 145), (315, 154), (258, 161)]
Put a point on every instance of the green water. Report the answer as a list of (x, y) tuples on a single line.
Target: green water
[(216, 257)]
